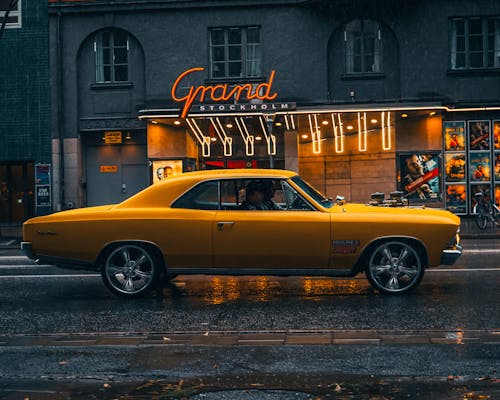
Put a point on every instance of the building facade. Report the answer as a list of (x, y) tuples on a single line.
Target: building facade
[(357, 96), (25, 136)]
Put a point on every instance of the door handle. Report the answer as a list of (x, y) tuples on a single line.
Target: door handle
[(220, 225)]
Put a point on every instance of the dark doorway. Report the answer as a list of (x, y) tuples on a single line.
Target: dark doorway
[(17, 185)]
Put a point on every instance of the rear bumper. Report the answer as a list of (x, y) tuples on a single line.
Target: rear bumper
[(27, 248), (449, 256)]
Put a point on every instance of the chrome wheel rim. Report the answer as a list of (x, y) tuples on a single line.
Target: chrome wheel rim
[(395, 267), (129, 269)]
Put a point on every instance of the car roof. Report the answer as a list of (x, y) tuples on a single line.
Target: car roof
[(165, 192)]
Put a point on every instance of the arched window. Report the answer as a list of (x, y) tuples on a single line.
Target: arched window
[(111, 49), (363, 47)]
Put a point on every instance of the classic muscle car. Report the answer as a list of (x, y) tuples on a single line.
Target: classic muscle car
[(213, 222)]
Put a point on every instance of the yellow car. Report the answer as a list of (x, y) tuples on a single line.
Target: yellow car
[(244, 222)]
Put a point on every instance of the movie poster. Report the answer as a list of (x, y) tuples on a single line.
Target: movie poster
[(454, 136), (479, 135), (497, 195), (163, 169), (456, 198), (496, 166), (479, 166), (419, 175), (496, 135), (476, 188), (454, 167)]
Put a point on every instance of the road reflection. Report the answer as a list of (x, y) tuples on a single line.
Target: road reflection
[(224, 289)]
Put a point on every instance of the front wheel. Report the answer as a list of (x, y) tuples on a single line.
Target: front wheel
[(395, 267), (130, 270)]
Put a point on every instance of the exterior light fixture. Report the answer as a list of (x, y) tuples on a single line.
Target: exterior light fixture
[(278, 124), (373, 120), (229, 125), (213, 139), (304, 136), (404, 115), (350, 127), (177, 122), (324, 122), (432, 113), (258, 137), (154, 122), (128, 136)]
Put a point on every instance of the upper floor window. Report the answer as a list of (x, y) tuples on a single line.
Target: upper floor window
[(235, 52), (13, 8), (111, 49), (363, 47), (475, 43)]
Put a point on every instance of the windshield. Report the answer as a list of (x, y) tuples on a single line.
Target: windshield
[(312, 192)]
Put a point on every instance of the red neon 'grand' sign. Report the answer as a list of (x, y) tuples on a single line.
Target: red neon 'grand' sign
[(220, 92)]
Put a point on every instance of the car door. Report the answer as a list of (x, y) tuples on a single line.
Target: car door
[(297, 236)]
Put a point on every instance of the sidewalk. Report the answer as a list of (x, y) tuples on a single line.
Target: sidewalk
[(11, 234)]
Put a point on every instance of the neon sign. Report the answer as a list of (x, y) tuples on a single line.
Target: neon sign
[(221, 92)]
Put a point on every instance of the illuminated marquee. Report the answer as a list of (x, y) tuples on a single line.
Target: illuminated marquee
[(221, 92)]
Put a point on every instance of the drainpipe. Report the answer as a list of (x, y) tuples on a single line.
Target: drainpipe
[(60, 132)]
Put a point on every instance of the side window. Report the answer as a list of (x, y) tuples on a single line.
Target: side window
[(232, 193), (294, 201), (204, 196)]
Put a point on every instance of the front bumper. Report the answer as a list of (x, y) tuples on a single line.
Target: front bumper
[(449, 256)]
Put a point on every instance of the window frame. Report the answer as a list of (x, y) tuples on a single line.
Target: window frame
[(350, 43), (486, 51), (13, 13), (100, 65), (244, 59)]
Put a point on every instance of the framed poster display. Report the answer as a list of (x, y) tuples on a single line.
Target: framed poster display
[(479, 187), (456, 198), (496, 135), (419, 174), (479, 135), (497, 194), (454, 167), (454, 135), (163, 169), (480, 166)]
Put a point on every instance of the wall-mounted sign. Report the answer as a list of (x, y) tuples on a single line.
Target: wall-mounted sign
[(108, 169), (246, 107), (112, 137), (43, 197), (220, 92)]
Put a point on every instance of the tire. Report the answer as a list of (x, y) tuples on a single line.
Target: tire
[(395, 267), (481, 216), (130, 270)]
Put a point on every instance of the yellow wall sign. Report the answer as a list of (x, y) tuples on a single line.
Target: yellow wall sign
[(109, 169), (112, 137)]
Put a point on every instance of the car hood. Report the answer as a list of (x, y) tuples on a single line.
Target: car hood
[(421, 212)]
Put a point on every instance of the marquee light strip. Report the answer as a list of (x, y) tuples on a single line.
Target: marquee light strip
[(361, 133), (226, 140), (202, 139), (290, 125), (315, 134), (338, 138), (270, 138), (386, 139), (247, 138)]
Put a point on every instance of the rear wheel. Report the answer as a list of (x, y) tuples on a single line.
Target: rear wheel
[(395, 267), (481, 215), (130, 270)]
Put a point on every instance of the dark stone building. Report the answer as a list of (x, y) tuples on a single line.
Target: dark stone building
[(358, 96), (25, 137)]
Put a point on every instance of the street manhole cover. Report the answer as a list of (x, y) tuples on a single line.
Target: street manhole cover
[(253, 395)]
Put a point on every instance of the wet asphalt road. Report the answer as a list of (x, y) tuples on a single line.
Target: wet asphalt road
[(59, 325)]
